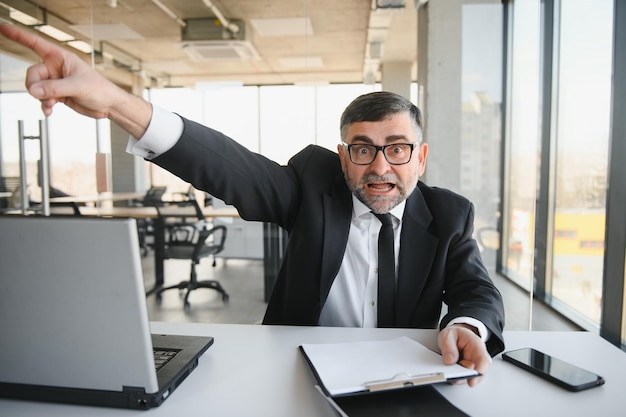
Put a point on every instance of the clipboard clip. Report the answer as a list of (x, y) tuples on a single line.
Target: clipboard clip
[(403, 380)]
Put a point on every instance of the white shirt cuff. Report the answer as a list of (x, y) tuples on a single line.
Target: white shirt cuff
[(163, 132), (483, 332)]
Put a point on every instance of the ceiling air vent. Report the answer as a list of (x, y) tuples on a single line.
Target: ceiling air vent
[(206, 39), (219, 50)]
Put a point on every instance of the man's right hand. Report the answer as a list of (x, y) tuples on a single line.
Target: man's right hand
[(62, 77)]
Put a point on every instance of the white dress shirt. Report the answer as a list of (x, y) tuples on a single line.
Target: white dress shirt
[(352, 301), (352, 298), (163, 132)]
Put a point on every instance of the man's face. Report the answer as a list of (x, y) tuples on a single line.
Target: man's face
[(381, 186)]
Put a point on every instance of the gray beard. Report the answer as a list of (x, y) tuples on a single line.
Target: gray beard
[(378, 204)]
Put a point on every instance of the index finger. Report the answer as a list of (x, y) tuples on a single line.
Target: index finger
[(33, 42)]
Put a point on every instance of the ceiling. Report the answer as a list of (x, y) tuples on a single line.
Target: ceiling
[(297, 41)]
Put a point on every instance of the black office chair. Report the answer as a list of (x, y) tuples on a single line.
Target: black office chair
[(153, 197), (145, 227), (191, 237)]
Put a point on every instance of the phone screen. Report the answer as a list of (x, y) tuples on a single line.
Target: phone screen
[(553, 369)]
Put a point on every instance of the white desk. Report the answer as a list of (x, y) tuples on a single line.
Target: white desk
[(99, 198), (257, 371)]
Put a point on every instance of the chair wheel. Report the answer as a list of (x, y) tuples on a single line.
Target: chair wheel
[(225, 297), (187, 305)]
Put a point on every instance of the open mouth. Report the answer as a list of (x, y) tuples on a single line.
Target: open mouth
[(380, 187)]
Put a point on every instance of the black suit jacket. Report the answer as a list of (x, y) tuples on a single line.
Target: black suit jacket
[(438, 260)]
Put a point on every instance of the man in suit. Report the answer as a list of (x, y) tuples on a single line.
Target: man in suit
[(328, 202)]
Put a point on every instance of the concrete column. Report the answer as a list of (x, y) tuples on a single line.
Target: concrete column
[(129, 172), (439, 79)]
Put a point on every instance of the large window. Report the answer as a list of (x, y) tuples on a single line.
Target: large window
[(522, 144), (557, 152), (276, 121), (72, 140), (481, 114), (582, 136)]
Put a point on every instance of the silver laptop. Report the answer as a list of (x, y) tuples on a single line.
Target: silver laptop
[(73, 318)]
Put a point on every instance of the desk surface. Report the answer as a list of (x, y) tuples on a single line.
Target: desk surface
[(151, 212), (95, 198), (257, 371), (140, 212)]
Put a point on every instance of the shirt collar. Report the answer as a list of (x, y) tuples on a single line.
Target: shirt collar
[(358, 209)]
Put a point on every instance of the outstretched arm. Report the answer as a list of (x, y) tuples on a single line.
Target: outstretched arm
[(62, 77)]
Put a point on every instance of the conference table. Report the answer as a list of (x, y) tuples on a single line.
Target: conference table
[(97, 199), (257, 371)]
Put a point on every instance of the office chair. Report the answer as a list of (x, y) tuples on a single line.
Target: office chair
[(154, 196), (145, 228), (193, 240)]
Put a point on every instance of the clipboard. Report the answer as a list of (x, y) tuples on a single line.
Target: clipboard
[(388, 377)]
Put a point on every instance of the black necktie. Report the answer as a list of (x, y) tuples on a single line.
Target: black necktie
[(386, 273)]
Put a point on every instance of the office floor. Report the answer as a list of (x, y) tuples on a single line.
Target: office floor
[(243, 280)]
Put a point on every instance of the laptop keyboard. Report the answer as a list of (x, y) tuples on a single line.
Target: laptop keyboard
[(163, 356)]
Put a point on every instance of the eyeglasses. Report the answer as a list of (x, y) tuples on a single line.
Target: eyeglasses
[(395, 153)]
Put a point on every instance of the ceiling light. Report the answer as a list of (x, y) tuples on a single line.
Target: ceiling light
[(81, 46), (24, 18), (55, 33)]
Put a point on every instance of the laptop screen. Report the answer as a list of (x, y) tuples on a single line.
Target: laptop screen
[(72, 304)]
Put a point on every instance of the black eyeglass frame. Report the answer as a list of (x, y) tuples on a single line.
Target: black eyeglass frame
[(380, 149)]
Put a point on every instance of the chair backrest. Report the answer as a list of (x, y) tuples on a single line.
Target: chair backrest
[(189, 235), (154, 196), (199, 236), (219, 237)]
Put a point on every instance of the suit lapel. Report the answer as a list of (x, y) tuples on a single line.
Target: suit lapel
[(417, 251), (337, 217)]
